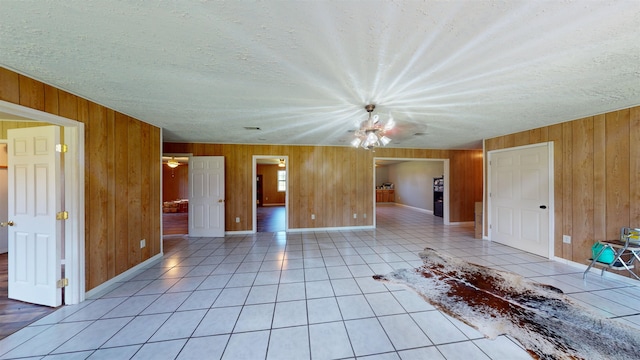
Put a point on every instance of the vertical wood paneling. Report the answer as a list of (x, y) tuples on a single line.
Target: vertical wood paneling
[(111, 224), (121, 194), (596, 187), (145, 187), (68, 106), (97, 210), (634, 166), (567, 191), (9, 86), (134, 184), (331, 182), (599, 178), (582, 183), (51, 99), (555, 135), (155, 203), (617, 158), (31, 93)]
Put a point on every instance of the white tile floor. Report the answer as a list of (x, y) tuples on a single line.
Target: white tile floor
[(300, 296)]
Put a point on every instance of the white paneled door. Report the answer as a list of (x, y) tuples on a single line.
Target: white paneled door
[(206, 196), (35, 236), (519, 198)]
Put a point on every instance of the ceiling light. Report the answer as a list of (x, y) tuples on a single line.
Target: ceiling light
[(173, 163), (281, 163), (371, 132)]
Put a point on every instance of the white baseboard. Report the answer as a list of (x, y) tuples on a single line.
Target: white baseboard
[(241, 232), (104, 287), (344, 228), (596, 271), (415, 208)]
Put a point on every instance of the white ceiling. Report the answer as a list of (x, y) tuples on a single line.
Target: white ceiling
[(302, 71)]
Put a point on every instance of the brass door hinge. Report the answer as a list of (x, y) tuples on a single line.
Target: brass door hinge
[(62, 283), (62, 215), (62, 148)]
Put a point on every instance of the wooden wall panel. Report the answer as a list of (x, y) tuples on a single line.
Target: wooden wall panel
[(634, 166), (109, 147), (567, 191), (175, 182), (331, 182), (9, 86), (31, 93), (582, 206), (617, 167), (596, 181), (599, 178), (97, 176)]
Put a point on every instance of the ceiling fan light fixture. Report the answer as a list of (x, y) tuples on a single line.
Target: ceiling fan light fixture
[(173, 163), (371, 132)]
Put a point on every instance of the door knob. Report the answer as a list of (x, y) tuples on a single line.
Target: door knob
[(221, 201), (8, 223)]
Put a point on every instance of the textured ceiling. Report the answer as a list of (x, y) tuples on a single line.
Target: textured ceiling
[(302, 71)]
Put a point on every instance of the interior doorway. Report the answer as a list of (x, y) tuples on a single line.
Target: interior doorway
[(270, 193), (409, 182), (73, 239), (175, 195)]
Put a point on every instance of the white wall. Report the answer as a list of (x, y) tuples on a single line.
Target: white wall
[(413, 181), (382, 175)]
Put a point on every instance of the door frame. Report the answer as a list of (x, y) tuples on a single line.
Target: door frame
[(254, 192), (550, 202), (74, 251)]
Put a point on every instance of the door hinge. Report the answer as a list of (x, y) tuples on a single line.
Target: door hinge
[(62, 148), (62, 215), (62, 283)]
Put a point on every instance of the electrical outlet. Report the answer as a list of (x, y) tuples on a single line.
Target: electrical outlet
[(566, 239), (238, 219), (143, 243), (313, 216), (355, 216)]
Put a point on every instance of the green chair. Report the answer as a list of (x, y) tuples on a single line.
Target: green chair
[(626, 251)]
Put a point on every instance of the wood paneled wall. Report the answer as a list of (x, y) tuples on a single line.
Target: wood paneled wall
[(175, 182), (331, 182), (270, 184), (597, 176), (122, 176)]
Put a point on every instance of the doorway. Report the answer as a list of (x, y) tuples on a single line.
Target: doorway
[(73, 239), (410, 183), (175, 195), (73, 242), (270, 193)]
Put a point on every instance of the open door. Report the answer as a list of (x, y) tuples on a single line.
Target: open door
[(206, 196), (35, 236)]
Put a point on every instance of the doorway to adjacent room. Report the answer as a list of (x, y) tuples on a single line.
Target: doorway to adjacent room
[(270, 193)]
